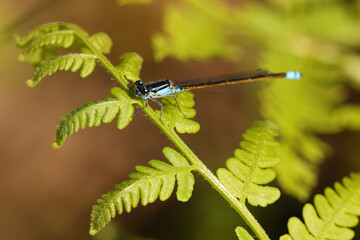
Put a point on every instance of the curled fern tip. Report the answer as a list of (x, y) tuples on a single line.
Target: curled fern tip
[(56, 145), (92, 232), (30, 83)]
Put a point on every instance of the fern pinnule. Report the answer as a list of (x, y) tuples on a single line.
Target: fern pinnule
[(72, 61), (130, 65), (332, 215), (180, 120), (101, 41), (147, 185), (250, 166), (95, 113)]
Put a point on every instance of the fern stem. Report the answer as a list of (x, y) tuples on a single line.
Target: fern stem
[(209, 176)]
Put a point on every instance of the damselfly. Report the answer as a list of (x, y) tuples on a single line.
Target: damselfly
[(165, 88)]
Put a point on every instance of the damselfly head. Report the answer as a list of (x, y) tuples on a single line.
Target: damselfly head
[(141, 90)]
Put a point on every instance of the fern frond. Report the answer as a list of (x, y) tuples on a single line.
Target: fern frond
[(95, 113), (130, 65), (242, 234), (251, 166), (72, 61), (147, 185), (332, 215), (172, 116)]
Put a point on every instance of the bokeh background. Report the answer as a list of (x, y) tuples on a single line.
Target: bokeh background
[(48, 193)]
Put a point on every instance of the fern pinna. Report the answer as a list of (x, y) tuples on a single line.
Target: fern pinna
[(95, 113), (332, 215), (243, 180), (146, 185), (251, 166)]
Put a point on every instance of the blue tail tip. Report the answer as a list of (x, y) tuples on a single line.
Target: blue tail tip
[(293, 75)]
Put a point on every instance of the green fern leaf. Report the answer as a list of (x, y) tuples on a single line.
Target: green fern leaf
[(130, 65), (147, 184), (102, 42), (242, 234), (172, 116), (71, 62), (95, 113), (250, 166), (332, 215)]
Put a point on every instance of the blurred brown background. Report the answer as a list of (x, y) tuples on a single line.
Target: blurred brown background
[(47, 193)]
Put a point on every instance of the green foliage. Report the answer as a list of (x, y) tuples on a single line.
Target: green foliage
[(294, 171), (72, 61), (292, 35), (44, 30), (198, 30), (347, 116), (298, 122), (40, 48), (250, 166), (321, 110), (307, 107), (146, 185), (60, 39), (41, 45), (332, 215), (95, 113)]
